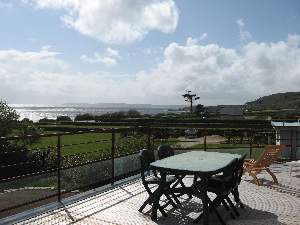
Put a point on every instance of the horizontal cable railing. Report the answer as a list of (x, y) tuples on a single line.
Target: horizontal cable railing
[(73, 162)]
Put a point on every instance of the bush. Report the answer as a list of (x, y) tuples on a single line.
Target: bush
[(15, 158), (132, 113), (84, 117), (63, 118), (8, 119), (46, 120)]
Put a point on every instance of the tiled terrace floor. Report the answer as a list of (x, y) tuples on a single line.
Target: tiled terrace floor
[(265, 205)]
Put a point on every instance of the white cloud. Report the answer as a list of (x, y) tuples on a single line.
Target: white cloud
[(191, 41), (194, 41), (112, 52), (218, 75), (244, 34), (5, 4), (109, 58), (115, 21), (203, 36)]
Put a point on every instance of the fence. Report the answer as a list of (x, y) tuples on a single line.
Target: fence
[(69, 162)]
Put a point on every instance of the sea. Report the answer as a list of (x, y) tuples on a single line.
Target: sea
[(36, 112)]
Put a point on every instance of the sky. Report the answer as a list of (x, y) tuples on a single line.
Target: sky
[(147, 51)]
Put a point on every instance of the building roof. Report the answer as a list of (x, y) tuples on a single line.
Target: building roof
[(285, 124), (231, 110)]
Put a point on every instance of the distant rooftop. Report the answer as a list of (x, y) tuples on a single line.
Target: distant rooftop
[(285, 124)]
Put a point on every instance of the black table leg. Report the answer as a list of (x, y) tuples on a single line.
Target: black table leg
[(201, 192), (205, 207)]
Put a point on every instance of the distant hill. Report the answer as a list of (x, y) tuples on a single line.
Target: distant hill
[(288, 100)]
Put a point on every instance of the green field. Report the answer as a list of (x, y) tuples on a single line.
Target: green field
[(101, 142), (104, 144)]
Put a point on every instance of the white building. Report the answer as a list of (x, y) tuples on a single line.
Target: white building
[(288, 134)]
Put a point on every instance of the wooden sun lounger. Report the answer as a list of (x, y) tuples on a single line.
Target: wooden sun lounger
[(269, 155)]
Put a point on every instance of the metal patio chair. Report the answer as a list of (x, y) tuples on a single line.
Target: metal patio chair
[(222, 186), (146, 158)]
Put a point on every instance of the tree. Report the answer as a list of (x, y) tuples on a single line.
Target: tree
[(15, 158), (199, 109), (63, 118), (132, 113), (8, 119), (189, 97)]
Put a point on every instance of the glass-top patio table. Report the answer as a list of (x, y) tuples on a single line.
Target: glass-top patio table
[(198, 163)]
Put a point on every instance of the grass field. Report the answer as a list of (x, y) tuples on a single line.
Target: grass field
[(103, 138), (101, 142)]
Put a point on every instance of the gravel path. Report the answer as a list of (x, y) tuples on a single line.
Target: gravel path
[(213, 139)]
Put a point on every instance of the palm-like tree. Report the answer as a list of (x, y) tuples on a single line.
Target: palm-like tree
[(189, 97)]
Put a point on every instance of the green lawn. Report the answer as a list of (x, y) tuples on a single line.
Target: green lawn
[(83, 126), (104, 144)]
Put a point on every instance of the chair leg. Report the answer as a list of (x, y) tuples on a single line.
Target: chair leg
[(272, 175), (219, 216), (176, 199), (253, 175), (213, 206), (224, 203), (236, 195), (144, 204), (162, 211), (171, 201), (232, 206)]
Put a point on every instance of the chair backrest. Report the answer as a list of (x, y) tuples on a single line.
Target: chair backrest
[(269, 155), (229, 173), (239, 169), (146, 158), (229, 170), (164, 151)]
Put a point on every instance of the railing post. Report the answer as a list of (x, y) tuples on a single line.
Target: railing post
[(205, 142), (113, 137), (149, 138), (250, 142), (291, 142), (58, 168)]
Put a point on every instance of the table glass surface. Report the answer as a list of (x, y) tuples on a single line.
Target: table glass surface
[(196, 162)]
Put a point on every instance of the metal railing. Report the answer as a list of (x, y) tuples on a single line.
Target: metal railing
[(65, 170)]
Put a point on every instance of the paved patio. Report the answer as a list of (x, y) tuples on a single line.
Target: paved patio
[(268, 205)]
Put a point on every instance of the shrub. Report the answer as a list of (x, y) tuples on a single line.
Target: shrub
[(8, 119), (84, 117), (15, 158), (132, 113), (46, 120), (63, 118)]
